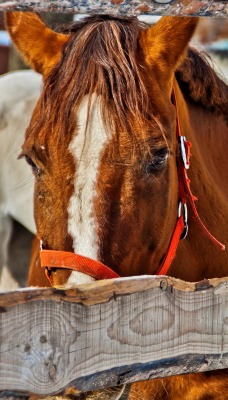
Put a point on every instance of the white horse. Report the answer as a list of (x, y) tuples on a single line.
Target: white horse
[(19, 92)]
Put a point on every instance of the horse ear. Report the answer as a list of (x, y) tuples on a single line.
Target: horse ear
[(39, 46), (164, 45)]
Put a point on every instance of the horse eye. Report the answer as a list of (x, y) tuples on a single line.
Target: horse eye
[(158, 161), (35, 169)]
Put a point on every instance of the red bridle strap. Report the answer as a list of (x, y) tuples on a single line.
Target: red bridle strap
[(185, 193), (75, 262), (65, 260), (185, 196), (171, 252)]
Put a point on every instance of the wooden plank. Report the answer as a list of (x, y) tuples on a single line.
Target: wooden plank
[(110, 333), (136, 7)]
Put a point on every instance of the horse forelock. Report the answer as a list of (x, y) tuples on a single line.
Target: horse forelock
[(100, 57)]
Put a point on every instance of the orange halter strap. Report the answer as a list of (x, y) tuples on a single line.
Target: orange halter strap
[(51, 259)]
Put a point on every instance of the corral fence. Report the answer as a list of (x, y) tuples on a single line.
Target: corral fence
[(114, 332), (110, 333)]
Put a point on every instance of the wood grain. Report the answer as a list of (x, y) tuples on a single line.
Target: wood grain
[(136, 7), (111, 332)]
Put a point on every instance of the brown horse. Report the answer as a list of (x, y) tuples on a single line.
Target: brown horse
[(103, 144)]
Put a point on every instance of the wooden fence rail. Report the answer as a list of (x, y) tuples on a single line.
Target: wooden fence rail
[(153, 7), (110, 333)]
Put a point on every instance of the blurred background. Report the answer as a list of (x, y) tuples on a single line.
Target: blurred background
[(211, 36)]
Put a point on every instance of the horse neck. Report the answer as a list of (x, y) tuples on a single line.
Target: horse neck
[(197, 255)]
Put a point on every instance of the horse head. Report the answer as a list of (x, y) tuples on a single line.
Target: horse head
[(102, 139)]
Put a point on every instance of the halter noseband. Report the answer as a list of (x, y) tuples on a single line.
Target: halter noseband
[(51, 259)]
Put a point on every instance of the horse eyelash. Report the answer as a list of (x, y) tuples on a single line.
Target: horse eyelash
[(30, 162)]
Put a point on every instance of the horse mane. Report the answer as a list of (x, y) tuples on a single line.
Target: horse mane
[(201, 84), (102, 54)]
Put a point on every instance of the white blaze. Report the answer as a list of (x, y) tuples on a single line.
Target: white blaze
[(86, 147)]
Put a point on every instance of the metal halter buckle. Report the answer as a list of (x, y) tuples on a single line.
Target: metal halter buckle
[(183, 151), (183, 206)]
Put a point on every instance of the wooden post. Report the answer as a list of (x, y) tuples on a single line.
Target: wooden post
[(111, 333), (136, 7)]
